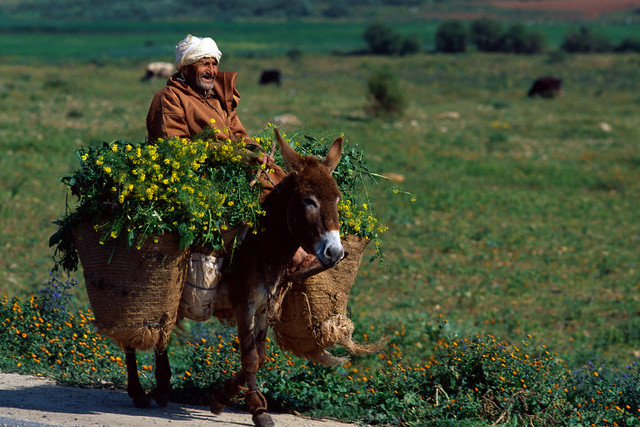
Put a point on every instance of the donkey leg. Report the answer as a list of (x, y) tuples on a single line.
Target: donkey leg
[(163, 377), (261, 340), (134, 388), (244, 319), (256, 402), (221, 396)]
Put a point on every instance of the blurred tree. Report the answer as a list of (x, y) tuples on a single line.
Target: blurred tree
[(485, 34), (382, 39), (535, 42), (518, 40), (584, 39), (514, 39), (451, 37), (628, 45), (410, 45)]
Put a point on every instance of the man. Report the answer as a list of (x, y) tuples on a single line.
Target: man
[(197, 96)]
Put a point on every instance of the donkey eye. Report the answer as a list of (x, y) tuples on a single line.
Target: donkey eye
[(309, 202)]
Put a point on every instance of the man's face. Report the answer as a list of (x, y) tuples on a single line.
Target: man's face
[(202, 73)]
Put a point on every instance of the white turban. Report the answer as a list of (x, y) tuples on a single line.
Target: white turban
[(192, 49)]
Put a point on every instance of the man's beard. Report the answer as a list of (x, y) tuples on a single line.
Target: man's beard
[(205, 81)]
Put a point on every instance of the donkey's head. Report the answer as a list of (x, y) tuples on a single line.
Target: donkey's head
[(312, 211)]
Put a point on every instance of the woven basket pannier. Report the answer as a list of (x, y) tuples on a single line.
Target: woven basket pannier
[(134, 293), (313, 314)]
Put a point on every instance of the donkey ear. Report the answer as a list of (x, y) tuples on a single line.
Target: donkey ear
[(334, 154), (291, 158)]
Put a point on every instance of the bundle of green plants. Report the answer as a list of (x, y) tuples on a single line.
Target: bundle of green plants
[(196, 187)]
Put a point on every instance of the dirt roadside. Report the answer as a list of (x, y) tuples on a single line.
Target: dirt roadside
[(37, 402)]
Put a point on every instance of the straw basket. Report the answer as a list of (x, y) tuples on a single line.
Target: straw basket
[(134, 293), (313, 314)]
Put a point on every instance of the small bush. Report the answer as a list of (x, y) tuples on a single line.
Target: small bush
[(451, 37), (294, 54), (584, 40), (489, 36), (535, 43), (382, 39), (486, 35), (628, 45), (557, 56), (410, 45), (517, 40), (384, 93)]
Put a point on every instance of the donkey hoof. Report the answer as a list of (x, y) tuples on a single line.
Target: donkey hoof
[(161, 398), (142, 401), (263, 419), (215, 406)]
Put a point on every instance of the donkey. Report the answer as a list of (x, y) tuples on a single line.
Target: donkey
[(301, 211)]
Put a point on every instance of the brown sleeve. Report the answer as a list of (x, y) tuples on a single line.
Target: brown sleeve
[(166, 117), (231, 98)]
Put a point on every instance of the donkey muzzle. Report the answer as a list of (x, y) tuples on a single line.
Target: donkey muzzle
[(329, 250)]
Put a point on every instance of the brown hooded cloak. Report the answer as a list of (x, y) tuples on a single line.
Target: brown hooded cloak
[(179, 110)]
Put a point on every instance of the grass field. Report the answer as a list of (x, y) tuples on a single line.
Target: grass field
[(526, 219)]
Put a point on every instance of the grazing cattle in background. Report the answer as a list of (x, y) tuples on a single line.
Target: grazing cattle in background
[(156, 70), (546, 87), (301, 212), (270, 76)]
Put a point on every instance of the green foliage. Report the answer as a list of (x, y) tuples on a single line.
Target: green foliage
[(467, 381), (294, 54), (196, 188), (385, 93), (383, 39), (489, 36), (410, 44), (518, 40), (451, 37), (41, 336), (629, 44), (585, 40), (486, 34)]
